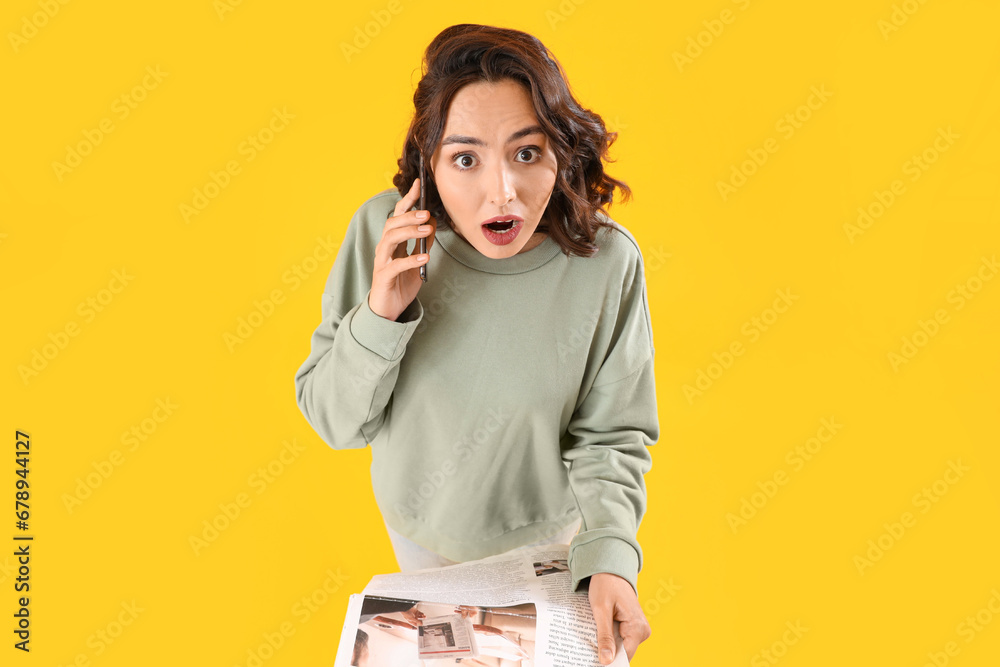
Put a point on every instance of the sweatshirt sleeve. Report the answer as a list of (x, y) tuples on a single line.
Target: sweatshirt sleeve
[(607, 439), (345, 384)]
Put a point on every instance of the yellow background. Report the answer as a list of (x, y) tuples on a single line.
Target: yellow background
[(714, 595)]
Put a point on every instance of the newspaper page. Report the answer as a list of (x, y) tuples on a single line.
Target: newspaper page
[(450, 636), (513, 609)]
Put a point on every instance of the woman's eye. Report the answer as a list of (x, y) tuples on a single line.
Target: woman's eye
[(466, 161), (529, 152), (463, 161)]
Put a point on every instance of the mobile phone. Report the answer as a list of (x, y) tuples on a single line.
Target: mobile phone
[(422, 241)]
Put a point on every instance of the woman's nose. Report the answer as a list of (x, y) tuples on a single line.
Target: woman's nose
[(501, 185)]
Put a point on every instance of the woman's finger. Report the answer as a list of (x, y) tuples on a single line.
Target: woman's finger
[(409, 199)]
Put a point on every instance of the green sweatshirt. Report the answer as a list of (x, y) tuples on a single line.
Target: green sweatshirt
[(510, 398)]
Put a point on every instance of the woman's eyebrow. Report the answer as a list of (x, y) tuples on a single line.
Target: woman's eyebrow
[(462, 139)]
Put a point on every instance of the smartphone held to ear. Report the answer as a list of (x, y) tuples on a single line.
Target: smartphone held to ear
[(422, 242)]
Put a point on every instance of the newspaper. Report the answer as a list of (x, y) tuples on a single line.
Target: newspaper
[(513, 609)]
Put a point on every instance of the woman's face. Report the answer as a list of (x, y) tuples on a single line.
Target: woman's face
[(494, 160)]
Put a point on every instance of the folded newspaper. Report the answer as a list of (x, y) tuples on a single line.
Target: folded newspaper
[(513, 609)]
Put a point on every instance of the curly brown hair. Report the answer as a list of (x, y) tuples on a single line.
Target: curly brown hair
[(469, 53)]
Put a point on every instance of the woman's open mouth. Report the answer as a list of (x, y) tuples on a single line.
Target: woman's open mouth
[(502, 229)]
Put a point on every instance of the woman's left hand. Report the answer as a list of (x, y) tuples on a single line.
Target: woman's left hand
[(613, 599)]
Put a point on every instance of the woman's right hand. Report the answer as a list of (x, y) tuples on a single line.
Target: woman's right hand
[(396, 278)]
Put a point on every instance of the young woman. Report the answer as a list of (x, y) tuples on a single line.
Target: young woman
[(510, 399)]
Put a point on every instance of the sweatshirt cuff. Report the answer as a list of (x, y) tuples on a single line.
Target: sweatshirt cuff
[(605, 554), (385, 338)]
